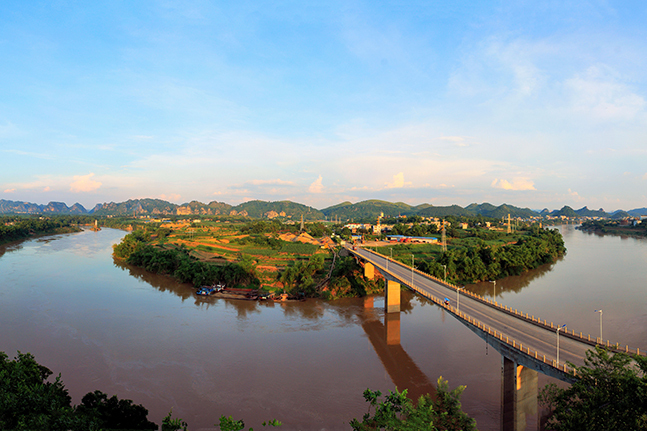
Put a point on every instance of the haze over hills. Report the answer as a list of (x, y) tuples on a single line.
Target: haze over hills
[(365, 210)]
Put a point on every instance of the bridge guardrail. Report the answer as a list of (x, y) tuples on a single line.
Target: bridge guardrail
[(513, 312), (487, 329)]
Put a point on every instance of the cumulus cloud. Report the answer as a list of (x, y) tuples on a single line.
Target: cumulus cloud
[(84, 183), (398, 182), (516, 184), (317, 186)]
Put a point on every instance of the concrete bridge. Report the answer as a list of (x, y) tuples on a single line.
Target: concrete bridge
[(527, 343)]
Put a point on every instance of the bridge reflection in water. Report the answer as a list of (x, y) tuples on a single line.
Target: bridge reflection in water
[(519, 385)]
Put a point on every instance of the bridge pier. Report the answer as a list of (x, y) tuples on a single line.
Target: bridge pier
[(369, 270), (392, 297), (518, 395)]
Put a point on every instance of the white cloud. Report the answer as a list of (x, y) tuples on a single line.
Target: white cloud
[(13, 190), (317, 186), (84, 183), (398, 182), (516, 184), (575, 196)]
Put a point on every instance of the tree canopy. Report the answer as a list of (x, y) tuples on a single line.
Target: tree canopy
[(611, 394)]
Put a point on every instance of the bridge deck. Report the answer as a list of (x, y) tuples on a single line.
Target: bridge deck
[(526, 335)]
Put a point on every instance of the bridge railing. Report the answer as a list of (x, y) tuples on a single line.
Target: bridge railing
[(511, 343), (614, 347)]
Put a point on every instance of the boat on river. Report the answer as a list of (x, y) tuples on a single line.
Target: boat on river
[(209, 290)]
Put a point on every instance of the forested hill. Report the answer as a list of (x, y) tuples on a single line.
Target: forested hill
[(371, 209), (17, 207), (364, 211)]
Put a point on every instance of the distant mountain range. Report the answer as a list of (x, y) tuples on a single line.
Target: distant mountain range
[(365, 210)]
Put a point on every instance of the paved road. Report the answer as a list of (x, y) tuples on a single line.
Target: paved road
[(539, 339)]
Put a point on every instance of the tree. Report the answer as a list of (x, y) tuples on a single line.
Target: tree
[(610, 394), (28, 401), (397, 412), (113, 413)]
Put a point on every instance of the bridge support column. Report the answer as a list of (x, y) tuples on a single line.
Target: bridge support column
[(392, 297), (369, 270), (518, 395), (392, 328)]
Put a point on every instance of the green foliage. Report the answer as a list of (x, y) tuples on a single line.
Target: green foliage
[(476, 260), (173, 424), (348, 280), (15, 228), (397, 412), (300, 276), (298, 248), (611, 394), (227, 423), (130, 243), (178, 263), (29, 402), (113, 413)]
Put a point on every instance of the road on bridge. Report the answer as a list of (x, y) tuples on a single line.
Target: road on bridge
[(537, 338)]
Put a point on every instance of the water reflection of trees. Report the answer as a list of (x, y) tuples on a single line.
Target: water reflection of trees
[(345, 309), (11, 246), (162, 283), (513, 283)]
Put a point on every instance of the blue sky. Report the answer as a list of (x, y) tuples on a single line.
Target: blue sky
[(532, 103)]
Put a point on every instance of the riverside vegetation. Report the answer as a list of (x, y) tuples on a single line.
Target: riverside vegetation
[(615, 227), (16, 228)]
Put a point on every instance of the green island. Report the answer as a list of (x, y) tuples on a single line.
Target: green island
[(610, 394), (274, 257)]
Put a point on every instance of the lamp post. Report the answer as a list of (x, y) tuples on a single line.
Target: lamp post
[(445, 272), (458, 298), (557, 332), (494, 281), (600, 311), (387, 261)]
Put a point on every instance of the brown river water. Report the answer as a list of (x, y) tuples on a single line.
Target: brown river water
[(107, 326)]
